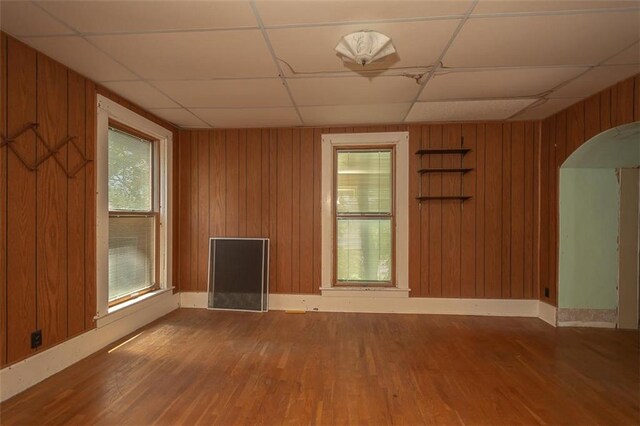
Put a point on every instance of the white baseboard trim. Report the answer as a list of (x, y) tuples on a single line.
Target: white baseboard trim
[(590, 324), (24, 374), (195, 299), (411, 305), (547, 313)]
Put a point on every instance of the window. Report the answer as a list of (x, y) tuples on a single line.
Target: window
[(134, 219), (364, 216), (134, 158)]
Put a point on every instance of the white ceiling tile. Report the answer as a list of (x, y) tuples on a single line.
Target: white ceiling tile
[(249, 117), (496, 83), (628, 56), (140, 16), (179, 116), (352, 90), (81, 56), (226, 93), (517, 6), (581, 39), (496, 109), (22, 18), (544, 110), (595, 80), (354, 114), (312, 12), (141, 93), (311, 49), (192, 55)]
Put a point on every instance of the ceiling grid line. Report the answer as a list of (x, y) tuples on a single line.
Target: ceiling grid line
[(438, 63), (343, 23), (113, 59), (553, 89), (275, 59)]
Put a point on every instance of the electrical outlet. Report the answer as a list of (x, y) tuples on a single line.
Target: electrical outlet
[(546, 292), (36, 339)]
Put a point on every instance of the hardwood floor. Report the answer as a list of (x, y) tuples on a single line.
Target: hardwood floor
[(203, 367)]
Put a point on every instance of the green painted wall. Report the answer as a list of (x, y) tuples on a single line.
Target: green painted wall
[(589, 206)]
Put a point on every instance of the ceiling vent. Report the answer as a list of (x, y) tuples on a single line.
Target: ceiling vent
[(364, 47)]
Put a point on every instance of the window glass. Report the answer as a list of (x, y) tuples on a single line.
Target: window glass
[(364, 216), (131, 255), (364, 182), (133, 219), (130, 172), (364, 250)]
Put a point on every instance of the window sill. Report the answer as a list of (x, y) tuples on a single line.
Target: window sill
[(126, 308), (360, 291)]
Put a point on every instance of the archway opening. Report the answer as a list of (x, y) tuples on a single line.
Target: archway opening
[(598, 274)]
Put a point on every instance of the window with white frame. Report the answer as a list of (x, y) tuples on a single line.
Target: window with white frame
[(134, 220), (364, 216), (365, 212), (133, 207)]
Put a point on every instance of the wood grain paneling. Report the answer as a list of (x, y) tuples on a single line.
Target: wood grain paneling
[(51, 203), (202, 258), (47, 220), (468, 216), (456, 249), (415, 143), (560, 136), (306, 211), (90, 208), (493, 209), (3, 201), (21, 203), (517, 190), (76, 201), (434, 183)]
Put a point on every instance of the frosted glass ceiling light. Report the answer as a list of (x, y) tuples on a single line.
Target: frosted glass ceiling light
[(364, 47)]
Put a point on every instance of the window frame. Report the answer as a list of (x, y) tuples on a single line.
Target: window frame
[(337, 216), (401, 186), (154, 212), (110, 111)]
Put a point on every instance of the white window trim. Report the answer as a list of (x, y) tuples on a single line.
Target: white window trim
[(401, 142), (107, 109)]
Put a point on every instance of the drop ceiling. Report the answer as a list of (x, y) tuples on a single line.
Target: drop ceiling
[(271, 63)]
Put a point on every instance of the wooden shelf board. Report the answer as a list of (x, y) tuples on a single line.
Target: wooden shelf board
[(443, 197), (443, 151), (445, 170)]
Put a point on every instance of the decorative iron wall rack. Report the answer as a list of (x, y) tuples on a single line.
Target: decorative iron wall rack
[(50, 152), (462, 151)]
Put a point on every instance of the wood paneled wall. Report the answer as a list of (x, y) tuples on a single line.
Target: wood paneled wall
[(561, 135), (266, 183), (251, 183), (48, 248), (47, 221)]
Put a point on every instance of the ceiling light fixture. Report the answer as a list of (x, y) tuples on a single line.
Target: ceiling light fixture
[(364, 47)]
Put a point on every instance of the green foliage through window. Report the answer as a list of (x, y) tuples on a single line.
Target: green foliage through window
[(130, 172)]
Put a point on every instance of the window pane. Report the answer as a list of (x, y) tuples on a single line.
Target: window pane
[(364, 250), (130, 178), (364, 182), (131, 255)]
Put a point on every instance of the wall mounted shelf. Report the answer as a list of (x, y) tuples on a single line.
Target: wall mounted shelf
[(443, 197), (445, 170), (462, 151)]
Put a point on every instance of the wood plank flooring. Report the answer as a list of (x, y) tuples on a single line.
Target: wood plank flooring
[(203, 367)]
